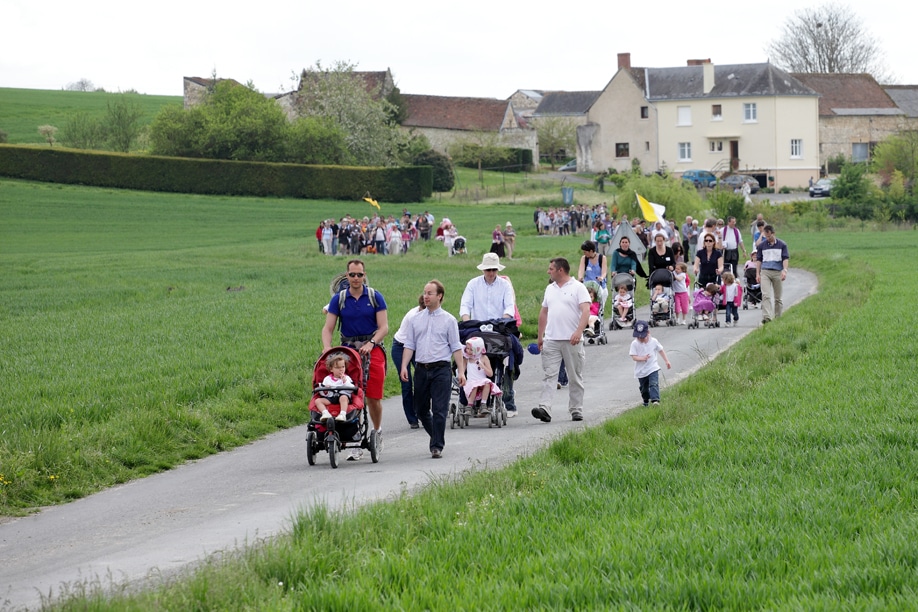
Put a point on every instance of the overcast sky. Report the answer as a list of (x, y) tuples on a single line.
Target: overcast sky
[(479, 48)]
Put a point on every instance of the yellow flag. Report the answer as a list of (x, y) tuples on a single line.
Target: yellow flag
[(373, 202), (651, 211)]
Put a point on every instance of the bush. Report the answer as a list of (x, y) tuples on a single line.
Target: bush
[(443, 177), (206, 176)]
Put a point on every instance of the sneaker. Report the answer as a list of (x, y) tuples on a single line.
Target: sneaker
[(655, 403), (356, 454), (342, 416), (576, 416), (415, 425), (379, 443), (326, 415), (682, 322), (541, 414), (562, 385), (511, 414), (436, 453)]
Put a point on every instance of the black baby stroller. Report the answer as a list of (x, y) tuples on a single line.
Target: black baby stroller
[(354, 432), (662, 310), (752, 293), (499, 336), (458, 247), (595, 333)]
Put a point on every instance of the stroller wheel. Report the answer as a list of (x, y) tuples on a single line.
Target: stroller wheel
[(311, 448), (373, 444), (333, 449)]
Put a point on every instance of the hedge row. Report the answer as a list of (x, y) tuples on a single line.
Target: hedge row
[(210, 176)]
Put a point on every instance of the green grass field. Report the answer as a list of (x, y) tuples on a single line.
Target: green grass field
[(23, 110), (779, 477)]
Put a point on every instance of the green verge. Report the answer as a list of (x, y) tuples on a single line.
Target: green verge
[(780, 476)]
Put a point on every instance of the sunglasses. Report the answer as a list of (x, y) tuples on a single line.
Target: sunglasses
[(709, 241), (356, 274)]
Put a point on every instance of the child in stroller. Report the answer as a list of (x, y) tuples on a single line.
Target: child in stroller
[(330, 434), (623, 303), (704, 310), (753, 290), (478, 384), (504, 355), (662, 297), (594, 332), (336, 388)]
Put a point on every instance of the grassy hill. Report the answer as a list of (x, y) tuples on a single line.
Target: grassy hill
[(23, 110)]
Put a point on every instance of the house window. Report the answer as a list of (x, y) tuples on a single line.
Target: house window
[(716, 112), (645, 112), (622, 150), (647, 145), (796, 148), (684, 115), (685, 151), (717, 146), (750, 112), (859, 152)]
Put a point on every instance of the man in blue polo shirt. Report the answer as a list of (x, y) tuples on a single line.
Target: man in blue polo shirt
[(770, 272), (364, 325)]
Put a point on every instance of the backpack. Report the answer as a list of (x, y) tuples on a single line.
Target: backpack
[(371, 293)]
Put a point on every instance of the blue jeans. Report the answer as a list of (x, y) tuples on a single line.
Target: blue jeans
[(650, 388), (562, 374), (730, 307), (398, 349), (432, 388)]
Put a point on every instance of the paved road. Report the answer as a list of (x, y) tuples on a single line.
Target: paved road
[(164, 522)]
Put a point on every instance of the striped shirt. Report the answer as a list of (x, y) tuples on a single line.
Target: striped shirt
[(433, 336)]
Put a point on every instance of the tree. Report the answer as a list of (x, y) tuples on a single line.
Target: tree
[(443, 177), (372, 136), (234, 122), (83, 131), (83, 84), (827, 39), (122, 123), (317, 140), (478, 150), (897, 153), (47, 132), (556, 134)]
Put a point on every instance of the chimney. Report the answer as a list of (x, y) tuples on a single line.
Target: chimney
[(707, 72), (624, 61)]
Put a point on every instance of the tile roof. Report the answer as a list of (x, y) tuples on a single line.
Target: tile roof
[(730, 80), (848, 94), (455, 113), (566, 103), (905, 97)]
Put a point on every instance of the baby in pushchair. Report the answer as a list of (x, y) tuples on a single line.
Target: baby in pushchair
[(478, 384), (336, 388), (703, 307), (753, 290)]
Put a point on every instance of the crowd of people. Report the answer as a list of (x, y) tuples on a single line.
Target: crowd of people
[(427, 343), (374, 234)]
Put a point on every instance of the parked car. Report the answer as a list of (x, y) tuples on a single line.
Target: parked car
[(700, 178), (570, 166), (822, 188), (736, 181)]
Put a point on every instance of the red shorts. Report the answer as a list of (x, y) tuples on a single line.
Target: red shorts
[(377, 379)]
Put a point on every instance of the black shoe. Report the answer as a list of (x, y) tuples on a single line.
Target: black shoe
[(436, 453), (576, 416), (541, 414), (415, 425)]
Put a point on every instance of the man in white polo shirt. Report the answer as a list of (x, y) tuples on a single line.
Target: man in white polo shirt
[(564, 315), (732, 240)]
